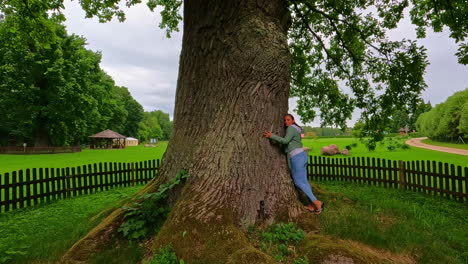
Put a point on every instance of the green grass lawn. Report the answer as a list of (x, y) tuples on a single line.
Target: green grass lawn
[(430, 229), (445, 144), (10, 163), (381, 151), (41, 234)]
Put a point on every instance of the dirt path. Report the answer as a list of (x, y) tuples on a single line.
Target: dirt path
[(416, 142)]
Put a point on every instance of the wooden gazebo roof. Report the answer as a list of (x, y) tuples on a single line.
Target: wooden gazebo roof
[(107, 134)]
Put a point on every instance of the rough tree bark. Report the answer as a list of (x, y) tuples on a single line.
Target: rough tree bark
[(233, 84)]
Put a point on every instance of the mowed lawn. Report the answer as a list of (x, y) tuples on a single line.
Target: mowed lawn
[(10, 163), (381, 151), (445, 144)]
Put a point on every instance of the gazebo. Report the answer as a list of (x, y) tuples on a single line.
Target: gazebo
[(107, 139)]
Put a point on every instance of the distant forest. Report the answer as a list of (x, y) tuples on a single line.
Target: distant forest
[(54, 93)]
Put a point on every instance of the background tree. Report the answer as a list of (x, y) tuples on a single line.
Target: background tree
[(164, 122), (447, 119), (52, 89), (234, 76), (149, 127), (406, 118), (134, 114), (326, 131), (358, 130)]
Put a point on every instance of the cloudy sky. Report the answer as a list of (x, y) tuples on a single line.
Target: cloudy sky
[(137, 55)]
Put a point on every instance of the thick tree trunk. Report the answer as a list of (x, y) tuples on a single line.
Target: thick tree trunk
[(233, 84), (41, 135)]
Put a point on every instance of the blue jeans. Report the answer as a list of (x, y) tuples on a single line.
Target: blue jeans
[(299, 174)]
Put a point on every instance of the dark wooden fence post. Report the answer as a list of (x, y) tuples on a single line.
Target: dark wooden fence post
[(14, 185), (7, 191), (21, 189), (466, 184), (47, 184), (41, 185), (132, 173), (401, 170), (68, 182)]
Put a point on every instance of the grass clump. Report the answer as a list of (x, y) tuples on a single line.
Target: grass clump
[(41, 234), (145, 217), (279, 241), (165, 255), (429, 229)]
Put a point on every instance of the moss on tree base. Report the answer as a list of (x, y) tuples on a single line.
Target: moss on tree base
[(322, 249), (214, 241)]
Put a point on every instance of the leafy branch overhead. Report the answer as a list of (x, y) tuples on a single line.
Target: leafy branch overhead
[(335, 45), (344, 44)]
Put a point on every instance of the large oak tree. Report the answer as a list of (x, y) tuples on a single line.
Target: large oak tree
[(240, 62)]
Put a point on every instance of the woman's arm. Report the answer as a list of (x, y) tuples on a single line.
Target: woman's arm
[(287, 138)]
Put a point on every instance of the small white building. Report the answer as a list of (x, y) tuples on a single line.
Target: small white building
[(131, 141)]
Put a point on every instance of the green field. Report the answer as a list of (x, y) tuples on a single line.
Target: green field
[(445, 144), (10, 163), (429, 229), (41, 234), (381, 151)]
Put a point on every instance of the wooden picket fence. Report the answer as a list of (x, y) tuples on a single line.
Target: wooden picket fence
[(29, 187), (430, 177)]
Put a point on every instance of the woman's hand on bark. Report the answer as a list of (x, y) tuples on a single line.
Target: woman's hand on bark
[(267, 134)]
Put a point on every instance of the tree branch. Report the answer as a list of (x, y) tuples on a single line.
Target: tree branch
[(317, 37), (330, 18)]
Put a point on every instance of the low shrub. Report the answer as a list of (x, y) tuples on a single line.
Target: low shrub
[(165, 255), (405, 146), (279, 240), (145, 218)]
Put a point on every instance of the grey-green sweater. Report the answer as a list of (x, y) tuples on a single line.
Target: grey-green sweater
[(292, 139)]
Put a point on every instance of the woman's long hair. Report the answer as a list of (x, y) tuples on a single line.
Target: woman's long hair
[(292, 117)]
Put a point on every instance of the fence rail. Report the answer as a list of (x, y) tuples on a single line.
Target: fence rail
[(29, 187), (38, 150), (430, 177)]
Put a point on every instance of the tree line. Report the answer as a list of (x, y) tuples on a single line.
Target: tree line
[(447, 119), (53, 91)]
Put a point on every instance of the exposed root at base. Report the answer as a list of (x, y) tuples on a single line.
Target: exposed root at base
[(101, 235)]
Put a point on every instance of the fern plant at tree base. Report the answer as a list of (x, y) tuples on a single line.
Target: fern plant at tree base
[(145, 217)]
